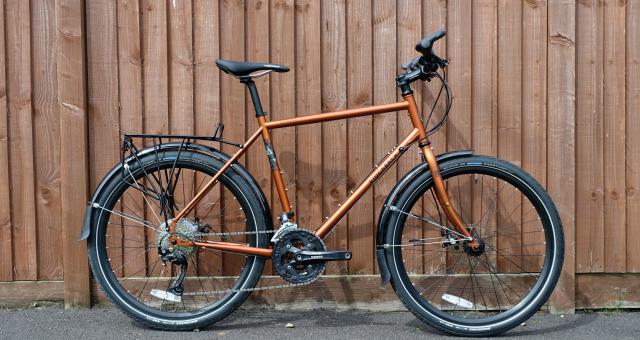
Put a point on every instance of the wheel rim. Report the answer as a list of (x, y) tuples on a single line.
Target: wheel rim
[(130, 230), (483, 289)]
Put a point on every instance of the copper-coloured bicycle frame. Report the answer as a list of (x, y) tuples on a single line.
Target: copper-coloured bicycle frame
[(418, 134)]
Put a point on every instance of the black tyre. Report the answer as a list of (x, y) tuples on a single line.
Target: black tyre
[(129, 230), (475, 292)]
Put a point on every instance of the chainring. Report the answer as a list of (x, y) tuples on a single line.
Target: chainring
[(284, 256)]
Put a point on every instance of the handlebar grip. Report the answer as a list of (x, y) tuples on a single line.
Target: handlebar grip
[(425, 45)]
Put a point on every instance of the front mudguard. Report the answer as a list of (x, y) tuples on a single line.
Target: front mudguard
[(385, 212), (194, 147)]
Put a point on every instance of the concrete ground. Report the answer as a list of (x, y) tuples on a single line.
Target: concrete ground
[(53, 322)]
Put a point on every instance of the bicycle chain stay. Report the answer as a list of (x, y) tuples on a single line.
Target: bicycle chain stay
[(242, 290)]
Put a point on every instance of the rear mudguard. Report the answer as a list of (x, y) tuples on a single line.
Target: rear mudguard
[(385, 213), (199, 148)]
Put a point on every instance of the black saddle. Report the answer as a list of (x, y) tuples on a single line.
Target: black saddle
[(243, 69)]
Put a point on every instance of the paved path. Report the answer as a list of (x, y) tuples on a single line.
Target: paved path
[(55, 323)]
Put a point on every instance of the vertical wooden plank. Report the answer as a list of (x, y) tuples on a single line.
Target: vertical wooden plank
[(434, 18), (409, 32), (308, 101), (232, 93), (102, 76), (561, 136), (484, 76), (154, 51), (360, 134), (131, 115), (6, 250), (509, 122), (614, 135), (282, 87), (633, 135), (485, 110), (258, 51), (385, 132), (155, 80), (180, 68), (534, 110), (590, 251), (74, 151), (21, 149), (459, 52), (257, 45), (334, 134), (46, 126), (103, 100), (207, 99), (459, 124)]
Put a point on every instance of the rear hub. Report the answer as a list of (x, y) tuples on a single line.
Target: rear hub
[(184, 229)]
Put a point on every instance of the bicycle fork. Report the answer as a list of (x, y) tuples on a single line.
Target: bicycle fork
[(438, 183)]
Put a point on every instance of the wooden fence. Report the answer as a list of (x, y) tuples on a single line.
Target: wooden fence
[(551, 85)]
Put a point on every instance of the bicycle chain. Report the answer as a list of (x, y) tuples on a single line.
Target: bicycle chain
[(254, 289)]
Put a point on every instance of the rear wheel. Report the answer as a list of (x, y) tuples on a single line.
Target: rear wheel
[(482, 290), (129, 237)]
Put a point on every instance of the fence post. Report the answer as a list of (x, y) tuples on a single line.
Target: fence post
[(73, 152), (561, 139)]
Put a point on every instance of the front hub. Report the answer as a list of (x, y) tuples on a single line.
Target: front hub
[(474, 247)]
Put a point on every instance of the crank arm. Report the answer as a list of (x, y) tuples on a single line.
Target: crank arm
[(305, 256)]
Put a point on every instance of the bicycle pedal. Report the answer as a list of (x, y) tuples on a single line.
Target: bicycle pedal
[(306, 256), (164, 295)]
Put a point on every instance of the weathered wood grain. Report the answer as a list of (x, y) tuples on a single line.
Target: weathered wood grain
[(334, 134), (6, 251), (74, 152), (46, 126), (590, 249), (21, 145), (561, 181)]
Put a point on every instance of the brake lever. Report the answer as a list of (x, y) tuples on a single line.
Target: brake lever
[(410, 66)]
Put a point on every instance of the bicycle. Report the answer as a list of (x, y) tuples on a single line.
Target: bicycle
[(179, 232)]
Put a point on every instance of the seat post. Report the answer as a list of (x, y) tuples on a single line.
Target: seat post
[(255, 98)]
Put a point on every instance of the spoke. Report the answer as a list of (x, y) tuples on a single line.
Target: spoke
[(143, 253), (144, 196), (131, 218), (515, 264), (502, 283), (148, 277), (195, 268)]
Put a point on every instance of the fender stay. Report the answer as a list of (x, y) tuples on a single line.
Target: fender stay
[(391, 199)]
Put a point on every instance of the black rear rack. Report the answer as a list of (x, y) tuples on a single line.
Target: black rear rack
[(155, 185)]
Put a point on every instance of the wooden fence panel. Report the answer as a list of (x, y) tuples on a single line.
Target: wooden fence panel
[(21, 149), (6, 251), (633, 138), (46, 126), (308, 99), (385, 126), (614, 135), (74, 171), (545, 84), (590, 251), (360, 133), (561, 138), (334, 134)]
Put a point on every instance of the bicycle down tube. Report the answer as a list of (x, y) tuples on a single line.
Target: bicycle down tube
[(417, 134)]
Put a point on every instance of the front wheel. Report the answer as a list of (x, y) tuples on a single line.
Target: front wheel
[(475, 291)]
